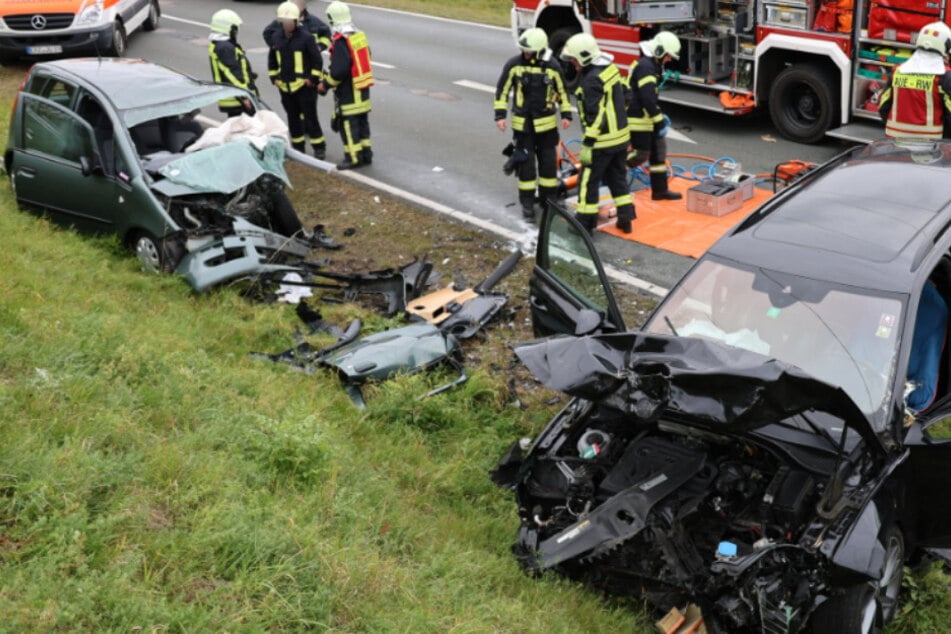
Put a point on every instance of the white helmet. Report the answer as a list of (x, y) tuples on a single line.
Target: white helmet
[(581, 47), (935, 37), (533, 41), (224, 20), (665, 43), (288, 11), (338, 13)]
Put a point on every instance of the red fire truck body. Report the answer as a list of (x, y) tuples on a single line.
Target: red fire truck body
[(819, 66)]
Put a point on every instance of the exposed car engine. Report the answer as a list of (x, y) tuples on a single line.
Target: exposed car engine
[(669, 512)]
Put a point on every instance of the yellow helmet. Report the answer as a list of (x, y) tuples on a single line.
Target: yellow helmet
[(224, 20), (935, 37), (581, 47), (533, 41), (665, 43), (288, 11), (338, 13)]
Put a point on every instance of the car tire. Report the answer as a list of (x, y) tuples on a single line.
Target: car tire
[(119, 40), (868, 607), (802, 103), (155, 14), (557, 42), (157, 256), (283, 217)]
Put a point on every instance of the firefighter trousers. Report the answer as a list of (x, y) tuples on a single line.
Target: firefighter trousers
[(607, 166), (355, 134), (651, 147), (301, 109), (542, 149)]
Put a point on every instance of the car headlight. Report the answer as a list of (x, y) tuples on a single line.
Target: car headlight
[(90, 12)]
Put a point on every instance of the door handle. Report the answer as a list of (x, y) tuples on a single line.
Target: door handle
[(29, 172), (536, 303)]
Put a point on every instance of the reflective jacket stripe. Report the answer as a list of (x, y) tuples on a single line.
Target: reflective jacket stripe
[(361, 70), (917, 106)]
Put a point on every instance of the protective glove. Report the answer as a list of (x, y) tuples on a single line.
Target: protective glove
[(663, 127), (634, 158), (585, 155)]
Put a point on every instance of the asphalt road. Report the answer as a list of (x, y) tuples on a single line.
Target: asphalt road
[(432, 120)]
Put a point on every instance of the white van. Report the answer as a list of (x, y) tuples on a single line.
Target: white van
[(36, 28)]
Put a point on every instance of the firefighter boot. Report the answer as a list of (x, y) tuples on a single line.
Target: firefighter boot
[(320, 150), (366, 156), (588, 221), (659, 189)]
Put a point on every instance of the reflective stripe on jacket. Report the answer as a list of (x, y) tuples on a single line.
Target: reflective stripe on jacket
[(230, 66), (539, 93), (351, 99), (294, 60), (644, 112), (601, 106)]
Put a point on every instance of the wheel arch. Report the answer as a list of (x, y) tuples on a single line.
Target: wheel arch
[(777, 52), (552, 19)]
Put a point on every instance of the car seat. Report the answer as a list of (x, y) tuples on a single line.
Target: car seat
[(927, 363), (180, 132), (147, 137)]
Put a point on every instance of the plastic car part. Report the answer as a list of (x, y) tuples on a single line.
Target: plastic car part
[(396, 286), (250, 251), (406, 350), (303, 355)]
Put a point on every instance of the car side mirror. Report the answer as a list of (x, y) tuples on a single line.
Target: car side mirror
[(588, 321), (89, 166)]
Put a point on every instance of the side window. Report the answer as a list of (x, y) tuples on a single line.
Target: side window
[(55, 131), (568, 259), (55, 90)]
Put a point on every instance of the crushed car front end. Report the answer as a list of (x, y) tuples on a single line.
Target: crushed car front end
[(648, 484)]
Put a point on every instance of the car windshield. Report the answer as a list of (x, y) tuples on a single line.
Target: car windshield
[(836, 334)]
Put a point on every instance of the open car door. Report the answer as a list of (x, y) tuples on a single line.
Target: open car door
[(929, 443), (568, 291)]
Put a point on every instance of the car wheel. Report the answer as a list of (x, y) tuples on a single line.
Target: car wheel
[(868, 607), (283, 217), (157, 256), (119, 40), (802, 104), (152, 22), (557, 42)]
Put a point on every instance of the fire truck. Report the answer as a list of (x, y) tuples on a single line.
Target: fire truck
[(819, 66)]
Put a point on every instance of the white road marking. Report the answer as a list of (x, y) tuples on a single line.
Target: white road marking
[(381, 64), (361, 7), (679, 136), (465, 83), (203, 25)]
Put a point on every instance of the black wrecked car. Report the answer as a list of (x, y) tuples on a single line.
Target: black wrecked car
[(768, 447)]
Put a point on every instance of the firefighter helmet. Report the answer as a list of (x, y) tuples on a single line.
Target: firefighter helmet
[(288, 11), (224, 20), (581, 47), (665, 43), (935, 37), (338, 13), (533, 41)]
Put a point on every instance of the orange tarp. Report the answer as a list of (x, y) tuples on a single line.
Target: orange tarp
[(669, 226)]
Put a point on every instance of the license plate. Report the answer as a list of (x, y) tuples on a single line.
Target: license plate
[(52, 49)]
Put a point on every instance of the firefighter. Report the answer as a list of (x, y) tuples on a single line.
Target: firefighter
[(308, 21), (538, 84), (294, 66), (229, 65), (600, 96), (917, 104), (350, 76), (645, 119)]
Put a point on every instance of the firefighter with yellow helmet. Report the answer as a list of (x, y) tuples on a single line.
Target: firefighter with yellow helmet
[(534, 81), (647, 123), (350, 76), (917, 104), (229, 65), (601, 108), (295, 66)]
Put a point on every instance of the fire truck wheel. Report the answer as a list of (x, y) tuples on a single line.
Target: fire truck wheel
[(556, 42), (802, 103)]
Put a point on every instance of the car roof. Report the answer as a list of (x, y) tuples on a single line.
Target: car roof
[(868, 218), (134, 86)]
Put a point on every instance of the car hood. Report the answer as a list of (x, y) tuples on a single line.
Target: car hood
[(714, 385)]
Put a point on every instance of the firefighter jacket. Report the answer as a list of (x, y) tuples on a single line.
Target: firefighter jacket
[(230, 66), (643, 113), (350, 74), (308, 21), (539, 90), (917, 102), (294, 60), (601, 100)]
